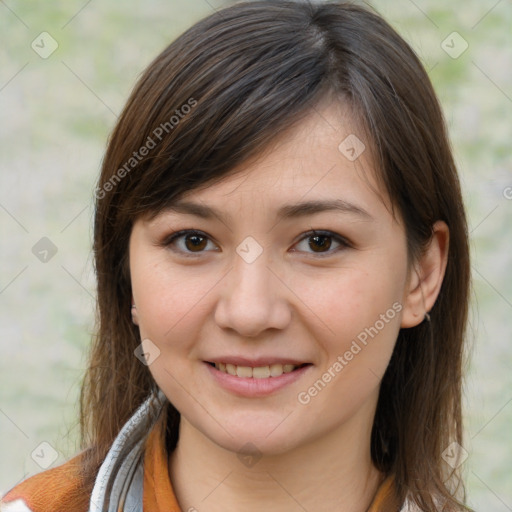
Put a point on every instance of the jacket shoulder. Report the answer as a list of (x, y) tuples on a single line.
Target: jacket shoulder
[(58, 489)]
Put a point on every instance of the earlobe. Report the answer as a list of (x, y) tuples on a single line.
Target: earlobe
[(426, 278), (135, 318)]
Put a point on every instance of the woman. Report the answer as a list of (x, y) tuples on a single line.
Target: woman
[(283, 271)]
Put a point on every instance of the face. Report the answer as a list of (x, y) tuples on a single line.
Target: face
[(290, 274)]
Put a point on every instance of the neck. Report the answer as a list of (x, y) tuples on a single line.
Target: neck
[(333, 473)]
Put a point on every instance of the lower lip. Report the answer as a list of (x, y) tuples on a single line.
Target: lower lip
[(251, 387)]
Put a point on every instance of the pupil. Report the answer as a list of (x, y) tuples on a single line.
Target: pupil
[(322, 240), (195, 242)]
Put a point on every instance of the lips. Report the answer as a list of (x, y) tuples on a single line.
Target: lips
[(255, 379)]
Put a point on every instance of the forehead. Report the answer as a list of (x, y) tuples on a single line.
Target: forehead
[(324, 156)]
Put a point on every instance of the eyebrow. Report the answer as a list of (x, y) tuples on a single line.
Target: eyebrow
[(289, 211)]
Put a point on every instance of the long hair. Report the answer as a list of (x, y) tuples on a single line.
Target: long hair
[(218, 95)]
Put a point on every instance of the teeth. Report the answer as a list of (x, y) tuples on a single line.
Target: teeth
[(259, 372), (244, 371), (276, 370)]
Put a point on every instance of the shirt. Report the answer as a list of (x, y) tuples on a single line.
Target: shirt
[(122, 482)]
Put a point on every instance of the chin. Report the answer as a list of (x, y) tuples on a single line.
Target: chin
[(257, 445), (249, 436)]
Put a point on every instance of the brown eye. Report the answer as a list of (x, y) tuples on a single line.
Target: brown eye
[(320, 243), (195, 242), (188, 242)]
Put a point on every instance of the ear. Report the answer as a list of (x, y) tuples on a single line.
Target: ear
[(135, 318), (426, 277)]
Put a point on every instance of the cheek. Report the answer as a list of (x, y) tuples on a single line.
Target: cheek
[(360, 323), (347, 302), (171, 306), (360, 311), (169, 302)]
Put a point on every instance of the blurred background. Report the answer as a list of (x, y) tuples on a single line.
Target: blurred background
[(66, 69)]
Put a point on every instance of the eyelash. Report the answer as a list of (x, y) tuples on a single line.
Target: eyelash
[(343, 243)]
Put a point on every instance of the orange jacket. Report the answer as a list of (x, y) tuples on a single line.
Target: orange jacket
[(59, 489)]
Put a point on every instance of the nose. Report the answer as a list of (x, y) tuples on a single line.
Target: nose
[(252, 299)]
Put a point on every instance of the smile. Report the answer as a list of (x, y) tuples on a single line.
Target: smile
[(255, 381), (257, 372)]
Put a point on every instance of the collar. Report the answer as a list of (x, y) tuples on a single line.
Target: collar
[(135, 474)]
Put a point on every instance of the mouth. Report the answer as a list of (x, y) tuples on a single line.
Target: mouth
[(256, 379), (256, 372)]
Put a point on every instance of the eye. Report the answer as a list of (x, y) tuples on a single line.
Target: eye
[(188, 241), (321, 242), (191, 242)]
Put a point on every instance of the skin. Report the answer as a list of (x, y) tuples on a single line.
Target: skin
[(290, 302)]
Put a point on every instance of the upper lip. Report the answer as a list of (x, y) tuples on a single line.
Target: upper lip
[(255, 362)]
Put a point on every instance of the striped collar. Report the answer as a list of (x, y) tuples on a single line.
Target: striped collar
[(151, 487), (133, 477)]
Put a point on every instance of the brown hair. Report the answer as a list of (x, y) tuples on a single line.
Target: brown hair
[(218, 95)]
